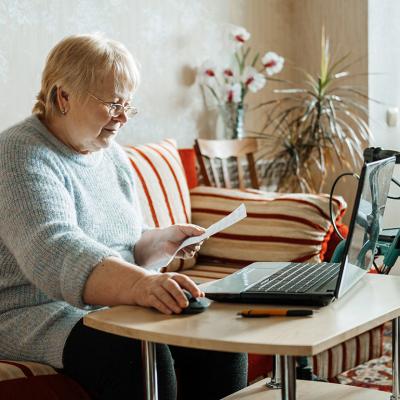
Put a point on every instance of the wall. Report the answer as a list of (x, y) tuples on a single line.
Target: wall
[(384, 83), (170, 39), (346, 25)]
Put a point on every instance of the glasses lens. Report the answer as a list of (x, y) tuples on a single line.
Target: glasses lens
[(130, 111), (116, 110)]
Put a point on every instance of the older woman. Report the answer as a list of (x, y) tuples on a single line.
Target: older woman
[(72, 236)]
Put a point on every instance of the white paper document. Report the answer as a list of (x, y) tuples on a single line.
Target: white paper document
[(226, 222)]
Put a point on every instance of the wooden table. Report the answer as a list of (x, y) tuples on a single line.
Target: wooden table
[(373, 301), (307, 390)]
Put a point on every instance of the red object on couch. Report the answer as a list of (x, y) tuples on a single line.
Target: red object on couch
[(42, 387), (334, 240), (259, 366), (188, 157)]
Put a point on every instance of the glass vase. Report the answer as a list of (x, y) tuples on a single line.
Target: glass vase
[(232, 115), (239, 124)]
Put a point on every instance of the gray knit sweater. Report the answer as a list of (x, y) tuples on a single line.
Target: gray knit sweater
[(61, 213)]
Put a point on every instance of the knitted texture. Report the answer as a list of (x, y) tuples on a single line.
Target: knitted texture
[(61, 213)]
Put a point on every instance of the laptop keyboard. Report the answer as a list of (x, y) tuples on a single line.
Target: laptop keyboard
[(297, 278)]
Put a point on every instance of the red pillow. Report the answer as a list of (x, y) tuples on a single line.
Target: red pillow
[(334, 240), (188, 157), (44, 387)]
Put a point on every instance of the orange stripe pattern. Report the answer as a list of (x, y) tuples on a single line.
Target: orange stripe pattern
[(349, 354), (162, 188), (278, 227), (23, 369)]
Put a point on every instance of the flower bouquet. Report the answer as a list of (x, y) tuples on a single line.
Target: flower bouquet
[(230, 85)]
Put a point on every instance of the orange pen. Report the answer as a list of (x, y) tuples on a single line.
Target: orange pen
[(262, 312)]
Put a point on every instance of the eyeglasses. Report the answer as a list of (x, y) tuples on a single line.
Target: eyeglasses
[(116, 109)]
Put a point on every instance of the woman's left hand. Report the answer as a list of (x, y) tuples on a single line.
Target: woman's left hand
[(162, 243), (176, 234)]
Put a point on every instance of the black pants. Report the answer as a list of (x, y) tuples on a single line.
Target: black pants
[(110, 367)]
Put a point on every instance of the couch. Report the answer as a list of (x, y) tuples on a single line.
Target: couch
[(279, 227)]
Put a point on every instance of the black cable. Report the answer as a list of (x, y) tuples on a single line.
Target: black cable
[(377, 269), (333, 222), (395, 181)]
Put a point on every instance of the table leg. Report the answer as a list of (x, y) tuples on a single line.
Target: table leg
[(395, 360), (149, 364), (275, 382), (288, 376)]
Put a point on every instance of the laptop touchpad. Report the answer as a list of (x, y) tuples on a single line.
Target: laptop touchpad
[(251, 275), (243, 278)]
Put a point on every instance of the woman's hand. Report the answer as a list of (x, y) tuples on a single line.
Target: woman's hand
[(115, 281), (164, 292), (174, 236), (161, 243)]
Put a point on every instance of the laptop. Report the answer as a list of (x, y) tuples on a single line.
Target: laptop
[(311, 283)]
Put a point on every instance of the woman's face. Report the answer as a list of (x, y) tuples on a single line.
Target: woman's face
[(89, 127)]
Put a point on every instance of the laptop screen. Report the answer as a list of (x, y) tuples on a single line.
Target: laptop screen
[(366, 222)]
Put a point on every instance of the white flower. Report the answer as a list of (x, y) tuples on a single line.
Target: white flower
[(273, 63), (240, 36), (228, 72), (207, 73), (253, 80), (232, 93), (229, 75), (229, 85)]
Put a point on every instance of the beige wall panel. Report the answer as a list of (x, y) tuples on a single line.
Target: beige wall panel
[(346, 25), (269, 22)]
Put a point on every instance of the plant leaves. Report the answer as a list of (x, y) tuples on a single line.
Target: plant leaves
[(315, 123), (255, 59)]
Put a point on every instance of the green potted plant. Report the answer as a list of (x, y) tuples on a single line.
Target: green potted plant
[(313, 124)]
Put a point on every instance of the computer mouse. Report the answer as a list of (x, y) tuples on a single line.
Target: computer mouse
[(196, 305)]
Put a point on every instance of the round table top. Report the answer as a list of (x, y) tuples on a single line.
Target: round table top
[(371, 302)]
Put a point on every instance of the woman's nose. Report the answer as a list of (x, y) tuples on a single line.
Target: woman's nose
[(122, 118)]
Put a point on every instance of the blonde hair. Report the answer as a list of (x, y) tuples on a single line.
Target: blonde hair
[(78, 63)]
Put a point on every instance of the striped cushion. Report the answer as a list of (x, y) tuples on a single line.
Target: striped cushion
[(206, 271), (23, 369), (349, 354), (162, 188), (278, 227), (21, 380)]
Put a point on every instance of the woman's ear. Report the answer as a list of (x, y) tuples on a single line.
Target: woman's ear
[(62, 100)]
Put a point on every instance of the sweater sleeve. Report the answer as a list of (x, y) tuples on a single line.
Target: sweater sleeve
[(39, 225)]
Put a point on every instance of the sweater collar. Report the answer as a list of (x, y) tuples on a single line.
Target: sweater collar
[(89, 159)]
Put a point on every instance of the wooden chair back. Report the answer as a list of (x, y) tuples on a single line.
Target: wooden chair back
[(214, 155)]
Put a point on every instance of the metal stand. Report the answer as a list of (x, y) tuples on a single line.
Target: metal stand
[(150, 370), (395, 360), (275, 382), (288, 373)]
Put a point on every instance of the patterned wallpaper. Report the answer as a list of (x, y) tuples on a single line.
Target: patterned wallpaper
[(169, 38)]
